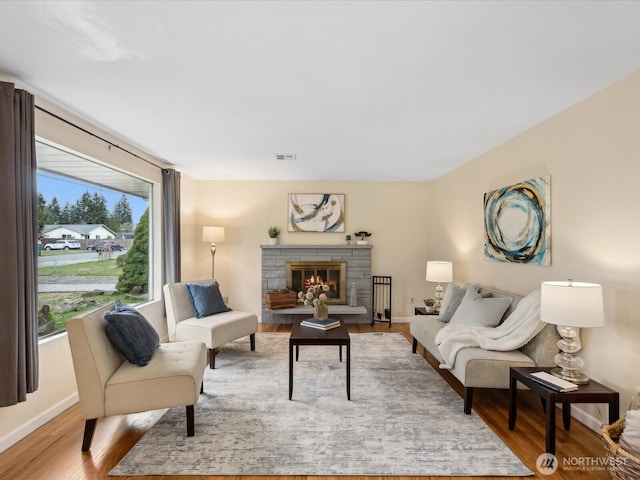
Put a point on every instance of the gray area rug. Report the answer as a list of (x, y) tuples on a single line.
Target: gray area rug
[(403, 418)]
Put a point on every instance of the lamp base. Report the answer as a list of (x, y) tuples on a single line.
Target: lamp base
[(573, 376), (438, 297)]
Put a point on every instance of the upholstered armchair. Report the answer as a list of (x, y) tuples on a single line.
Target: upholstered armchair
[(196, 311), (110, 384)]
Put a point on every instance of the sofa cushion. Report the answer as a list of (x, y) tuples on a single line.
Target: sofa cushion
[(480, 368), (216, 330), (453, 296), (174, 375), (478, 311), (425, 328), (132, 335), (207, 299)]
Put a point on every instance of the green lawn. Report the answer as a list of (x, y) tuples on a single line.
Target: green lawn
[(61, 310), (48, 253), (66, 305), (99, 268)]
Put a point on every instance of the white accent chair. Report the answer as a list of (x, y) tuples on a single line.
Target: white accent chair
[(108, 384), (214, 330)]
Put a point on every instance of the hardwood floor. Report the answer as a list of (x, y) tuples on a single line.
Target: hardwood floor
[(53, 451)]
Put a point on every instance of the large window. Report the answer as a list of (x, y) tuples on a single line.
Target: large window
[(94, 230)]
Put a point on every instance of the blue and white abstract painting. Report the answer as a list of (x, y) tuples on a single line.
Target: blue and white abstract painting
[(517, 223), (316, 212)]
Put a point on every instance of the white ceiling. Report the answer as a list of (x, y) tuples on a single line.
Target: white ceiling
[(357, 90)]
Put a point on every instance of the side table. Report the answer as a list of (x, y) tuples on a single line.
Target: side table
[(593, 392), (423, 311)]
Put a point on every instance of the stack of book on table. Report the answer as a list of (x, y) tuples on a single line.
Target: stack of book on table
[(553, 382), (320, 324)]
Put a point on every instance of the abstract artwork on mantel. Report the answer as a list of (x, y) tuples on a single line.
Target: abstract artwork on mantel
[(517, 223), (316, 212)]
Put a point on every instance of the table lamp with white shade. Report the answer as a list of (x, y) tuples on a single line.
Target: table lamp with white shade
[(440, 272), (571, 304), (213, 235)]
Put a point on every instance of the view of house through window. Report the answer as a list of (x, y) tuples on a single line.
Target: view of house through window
[(93, 245)]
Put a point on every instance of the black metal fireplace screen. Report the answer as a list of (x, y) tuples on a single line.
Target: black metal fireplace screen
[(302, 275)]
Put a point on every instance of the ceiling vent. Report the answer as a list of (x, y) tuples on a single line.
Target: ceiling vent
[(285, 156)]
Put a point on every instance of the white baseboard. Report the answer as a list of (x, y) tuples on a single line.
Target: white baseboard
[(32, 425), (401, 319), (587, 419)]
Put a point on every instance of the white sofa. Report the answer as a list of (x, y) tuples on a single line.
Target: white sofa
[(214, 330), (478, 368), (108, 384)]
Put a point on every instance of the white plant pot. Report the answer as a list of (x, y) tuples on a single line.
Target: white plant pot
[(273, 241), (362, 242)]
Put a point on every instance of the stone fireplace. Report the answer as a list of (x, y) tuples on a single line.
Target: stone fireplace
[(302, 275), (341, 266)]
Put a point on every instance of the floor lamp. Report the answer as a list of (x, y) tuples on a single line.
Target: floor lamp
[(213, 235)]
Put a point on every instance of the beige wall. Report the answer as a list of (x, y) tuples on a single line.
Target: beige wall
[(395, 214), (592, 153)]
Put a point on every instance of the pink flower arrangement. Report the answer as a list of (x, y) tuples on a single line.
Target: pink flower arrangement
[(314, 295)]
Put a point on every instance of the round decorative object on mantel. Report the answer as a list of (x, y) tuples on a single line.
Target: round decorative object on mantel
[(321, 311), (273, 241)]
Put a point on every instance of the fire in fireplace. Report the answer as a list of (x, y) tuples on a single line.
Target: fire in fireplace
[(302, 275)]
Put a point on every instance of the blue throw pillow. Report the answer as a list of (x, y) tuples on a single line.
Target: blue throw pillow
[(207, 299), (131, 334), (118, 306)]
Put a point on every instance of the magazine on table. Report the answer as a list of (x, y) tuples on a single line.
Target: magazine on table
[(320, 324), (551, 381)]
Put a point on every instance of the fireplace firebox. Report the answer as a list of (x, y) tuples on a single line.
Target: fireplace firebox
[(302, 275)]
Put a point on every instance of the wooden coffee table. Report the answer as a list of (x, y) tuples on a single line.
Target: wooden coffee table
[(301, 335)]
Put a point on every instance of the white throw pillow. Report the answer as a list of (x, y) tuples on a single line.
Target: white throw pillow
[(453, 296), (477, 311)]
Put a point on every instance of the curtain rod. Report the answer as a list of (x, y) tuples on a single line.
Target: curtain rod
[(82, 129)]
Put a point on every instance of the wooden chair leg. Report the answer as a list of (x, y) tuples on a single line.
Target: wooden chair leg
[(212, 357), (414, 347), (89, 429), (202, 387), (468, 399), (252, 339), (190, 421)]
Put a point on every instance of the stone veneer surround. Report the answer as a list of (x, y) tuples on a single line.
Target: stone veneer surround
[(357, 258)]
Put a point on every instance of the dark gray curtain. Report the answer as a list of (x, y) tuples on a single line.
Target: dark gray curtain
[(171, 225), (18, 247)]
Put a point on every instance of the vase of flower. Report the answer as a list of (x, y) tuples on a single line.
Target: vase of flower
[(321, 311), (315, 297)]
